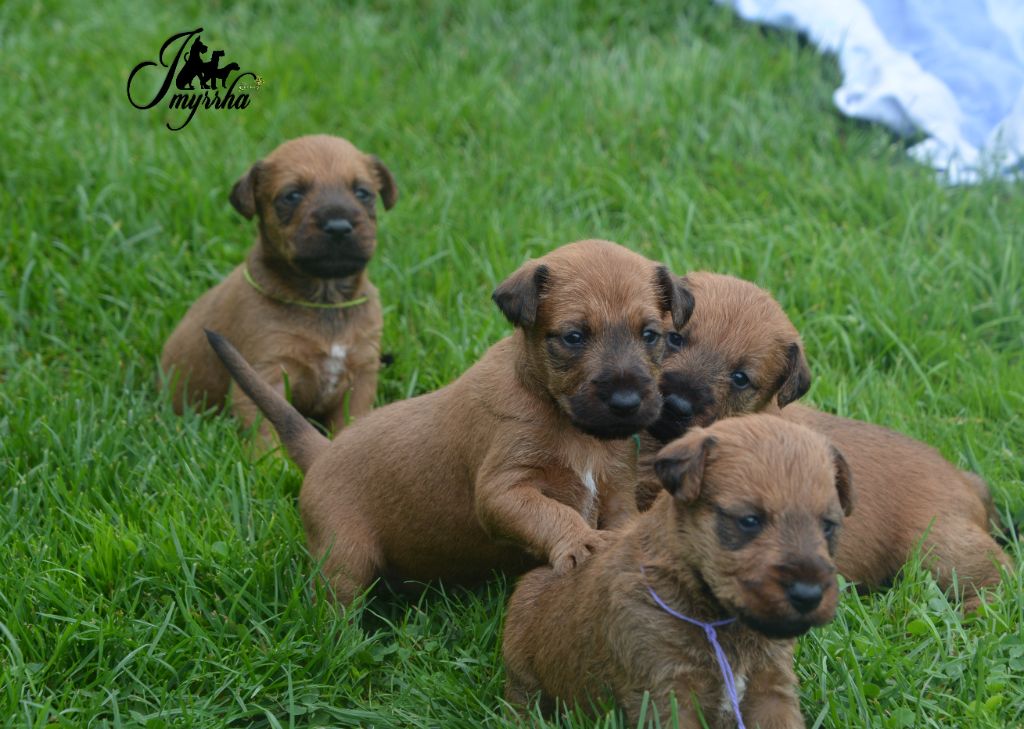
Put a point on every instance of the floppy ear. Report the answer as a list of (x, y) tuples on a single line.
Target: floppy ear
[(680, 465), (386, 183), (518, 296), (844, 481), (796, 380), (675, 296), (243, 194)]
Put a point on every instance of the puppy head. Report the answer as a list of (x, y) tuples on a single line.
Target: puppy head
[(590, 315), (316, 201), (738, 354), (759, 504)]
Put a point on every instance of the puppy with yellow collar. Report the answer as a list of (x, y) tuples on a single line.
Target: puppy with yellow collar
[(301, 306)]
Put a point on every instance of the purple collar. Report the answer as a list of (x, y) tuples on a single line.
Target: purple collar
[(709, 631)]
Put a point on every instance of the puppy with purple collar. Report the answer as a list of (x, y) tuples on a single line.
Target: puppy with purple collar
[(700, 597)]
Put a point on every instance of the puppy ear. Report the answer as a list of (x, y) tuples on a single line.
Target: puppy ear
[(518, 296), (844, 481), (243, 194), (680, 465), (796, 380), (675, 296), (386, 182)]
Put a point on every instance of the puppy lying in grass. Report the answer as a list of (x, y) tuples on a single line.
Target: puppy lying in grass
[(739, 354), (742, 541), (520, 459)]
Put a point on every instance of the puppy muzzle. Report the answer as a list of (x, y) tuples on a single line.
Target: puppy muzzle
[(779, 629), (333, 249), (788, 606), (340, 266), (613, 409), (685, 405)]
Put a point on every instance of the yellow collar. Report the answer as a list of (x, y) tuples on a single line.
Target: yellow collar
[(299, 302)]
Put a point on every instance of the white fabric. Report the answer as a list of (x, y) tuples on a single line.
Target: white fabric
[(953, 69)]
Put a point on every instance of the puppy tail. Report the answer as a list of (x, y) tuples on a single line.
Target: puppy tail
[(302, 441)]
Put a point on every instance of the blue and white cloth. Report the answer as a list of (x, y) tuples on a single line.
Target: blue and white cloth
[(952, 69)]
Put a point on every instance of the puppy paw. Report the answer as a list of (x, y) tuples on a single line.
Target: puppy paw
[(570, 553)]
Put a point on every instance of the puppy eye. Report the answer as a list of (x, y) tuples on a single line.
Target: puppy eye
[(573, 338), (651, 336), (674, 340), (363, 194), (740, 380), (750, 524), (829, 527), (293, 197)]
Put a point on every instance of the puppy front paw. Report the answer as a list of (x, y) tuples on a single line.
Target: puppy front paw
[(573, 551)]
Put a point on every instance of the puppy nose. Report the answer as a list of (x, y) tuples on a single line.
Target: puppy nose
[(804, 596), (624, 402), (679, 406), (337, 226)]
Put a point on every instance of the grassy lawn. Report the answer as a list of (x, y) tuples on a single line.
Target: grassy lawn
[(153, 577)]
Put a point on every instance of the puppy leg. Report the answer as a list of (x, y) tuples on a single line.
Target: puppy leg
[(352, 559), (510, 505), (770, 700), (618, 503), (661, 703), (648, 487), (520, 688), (300, 391), (364, 391), (247, 412), (963, 547), (360, 399)]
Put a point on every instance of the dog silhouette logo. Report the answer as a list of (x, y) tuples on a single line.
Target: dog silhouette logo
[(186, 50)]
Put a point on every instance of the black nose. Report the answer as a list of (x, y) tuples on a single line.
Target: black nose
[(804, 596), (679, 406), (624, 402), (337, 226)]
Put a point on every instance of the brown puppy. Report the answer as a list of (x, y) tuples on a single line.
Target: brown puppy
[(746, 531), (523, 456), (301, 305), (741, 354)]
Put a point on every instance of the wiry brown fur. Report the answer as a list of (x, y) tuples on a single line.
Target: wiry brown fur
[(491, 471), (325, 352), (905, 489), (598, 632)]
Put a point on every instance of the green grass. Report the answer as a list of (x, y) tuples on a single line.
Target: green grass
[(153, 577)]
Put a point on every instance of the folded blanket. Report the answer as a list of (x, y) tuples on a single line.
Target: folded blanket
[(952, 69)]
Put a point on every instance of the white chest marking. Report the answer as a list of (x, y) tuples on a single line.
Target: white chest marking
[(741, 688), (589, 482), (334, 365), (590, 501)]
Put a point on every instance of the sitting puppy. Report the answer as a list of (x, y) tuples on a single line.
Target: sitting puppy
[(521, 457), (743, 540), (741, 354), (301, 306)]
